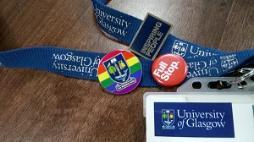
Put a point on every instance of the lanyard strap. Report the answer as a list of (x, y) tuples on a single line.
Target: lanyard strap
[(123, 27), (83, 65), (202, 61)]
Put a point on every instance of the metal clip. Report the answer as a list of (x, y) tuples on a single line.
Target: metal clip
[(245, 82), (241, 81)]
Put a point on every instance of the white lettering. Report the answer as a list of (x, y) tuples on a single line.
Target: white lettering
[(72, 63), (165, 71), (113, 24), (194, 119)]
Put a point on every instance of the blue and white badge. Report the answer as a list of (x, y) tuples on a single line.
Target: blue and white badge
[(194, 120), (199, 116), (150, 37)]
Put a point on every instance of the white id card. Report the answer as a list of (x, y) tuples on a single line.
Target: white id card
[(199, 117)]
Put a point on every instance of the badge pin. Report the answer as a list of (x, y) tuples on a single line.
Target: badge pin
[(150, 37), (119, 72), (169, 70)]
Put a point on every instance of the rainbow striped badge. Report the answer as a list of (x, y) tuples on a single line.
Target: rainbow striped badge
[(119, 72)]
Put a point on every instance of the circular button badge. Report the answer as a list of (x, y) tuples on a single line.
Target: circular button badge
[(169, 70), (119, 72)]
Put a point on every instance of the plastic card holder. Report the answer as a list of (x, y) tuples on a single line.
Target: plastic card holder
[(199, 116)]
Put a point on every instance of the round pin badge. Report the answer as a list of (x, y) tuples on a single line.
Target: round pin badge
[(169, 70), (119, 72)]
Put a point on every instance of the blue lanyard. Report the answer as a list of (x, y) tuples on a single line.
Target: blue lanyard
[(83, 65), (202, 61)]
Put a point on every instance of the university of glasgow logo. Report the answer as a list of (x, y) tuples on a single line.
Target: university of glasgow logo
[(118, 68), (228, 62), (168, 119), (179, 48)]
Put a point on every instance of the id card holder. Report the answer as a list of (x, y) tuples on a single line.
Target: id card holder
[(199, 116)]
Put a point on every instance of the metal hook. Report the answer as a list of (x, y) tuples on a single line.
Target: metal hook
[(240, 81)]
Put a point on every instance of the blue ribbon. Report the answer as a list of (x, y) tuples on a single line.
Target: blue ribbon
[(202, 61)]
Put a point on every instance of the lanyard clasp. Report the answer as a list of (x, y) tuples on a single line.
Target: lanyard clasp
[(247, 73)]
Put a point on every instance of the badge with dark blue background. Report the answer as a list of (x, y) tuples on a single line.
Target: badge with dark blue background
[(213, 120), (150, 37)]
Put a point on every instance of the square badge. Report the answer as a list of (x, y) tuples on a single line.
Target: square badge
[(150, 37)]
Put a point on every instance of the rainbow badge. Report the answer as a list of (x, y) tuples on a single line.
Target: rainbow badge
[(119, 72)]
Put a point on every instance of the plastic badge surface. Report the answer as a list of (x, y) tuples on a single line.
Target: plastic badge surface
[(204, 84), (199, 117)]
